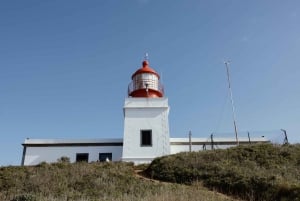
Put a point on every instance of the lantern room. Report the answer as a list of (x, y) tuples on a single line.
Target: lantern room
[(145, 83)]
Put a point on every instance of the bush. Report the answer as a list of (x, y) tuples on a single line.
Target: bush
[(255, 172), (89, 182), (26, 197), (63, 159)]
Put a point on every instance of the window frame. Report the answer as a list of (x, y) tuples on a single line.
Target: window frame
[(109, 154), (80, 156), (142, 138)]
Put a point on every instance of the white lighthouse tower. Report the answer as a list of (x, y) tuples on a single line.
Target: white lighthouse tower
[(146, 132), (146, 125)]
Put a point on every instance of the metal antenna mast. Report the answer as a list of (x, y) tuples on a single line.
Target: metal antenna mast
[(232, 105)]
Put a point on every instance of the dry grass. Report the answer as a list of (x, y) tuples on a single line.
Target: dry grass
[(90, 182), (261, 172)]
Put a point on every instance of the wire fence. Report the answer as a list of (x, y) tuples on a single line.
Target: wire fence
[(219, 140)]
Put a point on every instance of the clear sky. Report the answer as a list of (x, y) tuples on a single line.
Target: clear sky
[(65, 66)]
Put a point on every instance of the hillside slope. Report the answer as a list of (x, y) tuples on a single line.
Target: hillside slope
[(261, 172), (90, 182)]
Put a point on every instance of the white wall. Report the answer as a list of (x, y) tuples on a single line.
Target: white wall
[(36, 155), (186, 148), (145, 114)]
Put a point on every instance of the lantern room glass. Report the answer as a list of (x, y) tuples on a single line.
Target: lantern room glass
[(145, 80)]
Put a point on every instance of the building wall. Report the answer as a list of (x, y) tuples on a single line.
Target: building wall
[(145, 114), (36, 155), (186, 148), (200, 144), (49, 151)]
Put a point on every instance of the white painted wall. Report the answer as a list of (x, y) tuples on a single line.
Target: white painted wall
[(182, 144), (186, 148), (36, 155), (145, 114)]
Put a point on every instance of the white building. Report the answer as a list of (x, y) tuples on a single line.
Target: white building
[(146, 132)]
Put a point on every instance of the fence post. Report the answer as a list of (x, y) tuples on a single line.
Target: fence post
[(190, 141), (212, 141), (249, 137), (285, 141)]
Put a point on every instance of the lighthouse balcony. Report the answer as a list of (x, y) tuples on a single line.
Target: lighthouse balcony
[(150, 88)]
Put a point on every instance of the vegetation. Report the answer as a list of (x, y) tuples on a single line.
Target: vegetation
[(258, 172), (261, 172), (64, 181)]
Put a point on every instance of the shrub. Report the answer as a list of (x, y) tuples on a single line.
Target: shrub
[(255, 172), (26, 197), (63, 159)]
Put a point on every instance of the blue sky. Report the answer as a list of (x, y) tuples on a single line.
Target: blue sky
[(65, 66)]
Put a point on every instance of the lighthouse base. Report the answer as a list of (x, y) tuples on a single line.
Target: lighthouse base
[(146, 129)]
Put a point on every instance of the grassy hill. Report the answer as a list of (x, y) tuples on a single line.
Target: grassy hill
[(262, 172), (90, 182), (258, 172)]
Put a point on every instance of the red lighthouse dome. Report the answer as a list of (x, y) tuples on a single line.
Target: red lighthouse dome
[(145, 83)]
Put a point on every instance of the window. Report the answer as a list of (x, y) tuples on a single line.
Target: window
[(82, 157), (105, 157), (146, 137)]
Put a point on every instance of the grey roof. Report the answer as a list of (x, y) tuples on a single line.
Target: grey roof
[(72, 141), (29, 141)]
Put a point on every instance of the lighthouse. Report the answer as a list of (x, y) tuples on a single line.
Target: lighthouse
[(146, 131), (146, 124)]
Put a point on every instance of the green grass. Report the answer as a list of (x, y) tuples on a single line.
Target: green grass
[(263, 172), (258, 172), (90, 182)]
